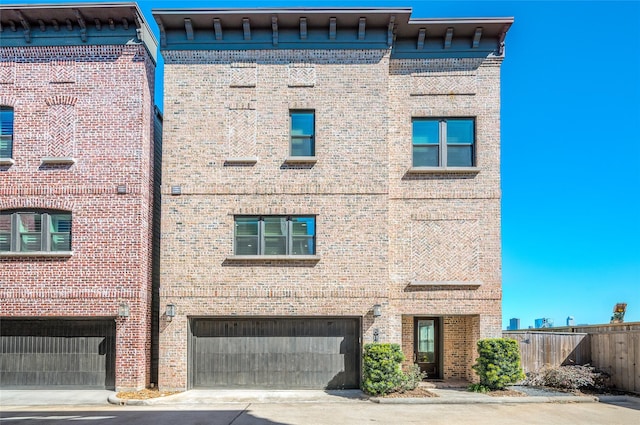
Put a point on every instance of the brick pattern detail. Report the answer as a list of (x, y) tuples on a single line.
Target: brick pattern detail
[(242, 133), (110, 106), (301, 75), (441, 83), (7, 72), (243, 75), (62, 119), (62, 71), (445, 250)]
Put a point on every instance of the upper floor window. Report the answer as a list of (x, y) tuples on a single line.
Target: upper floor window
[(302, 133), (443, 142), (275, 235), (35, 231), (6, 132)]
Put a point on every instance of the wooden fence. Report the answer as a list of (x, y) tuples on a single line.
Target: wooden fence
[(618, 353), (612, 349), (539, 349)]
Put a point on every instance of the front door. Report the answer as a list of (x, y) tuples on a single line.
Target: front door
[(427, 346)]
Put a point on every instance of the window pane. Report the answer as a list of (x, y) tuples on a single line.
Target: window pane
[(275, 245), (460, 156), (30, 222), (426, 156), (5, 232), (246, 245), (246, 226), (460, 131), (275, 226), (6, 144), (60, 223), (6, 121), (302, 146), (425, 132), (61, 242), (302, 123), (30, 228), (303, 225), (303, 246), (30, 242)]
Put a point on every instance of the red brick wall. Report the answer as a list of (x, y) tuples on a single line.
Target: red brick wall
[(107, 98)]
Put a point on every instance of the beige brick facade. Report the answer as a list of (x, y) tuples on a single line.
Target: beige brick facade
[(419, 244)]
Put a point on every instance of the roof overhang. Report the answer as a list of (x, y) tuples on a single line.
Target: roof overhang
[(330, 28), (69, 24), (296, 28)]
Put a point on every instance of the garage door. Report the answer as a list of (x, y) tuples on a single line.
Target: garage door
[(69, 353), (275, 353)]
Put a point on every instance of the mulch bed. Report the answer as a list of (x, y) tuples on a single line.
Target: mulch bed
[(506, 393), (145, 394), (418, 392)]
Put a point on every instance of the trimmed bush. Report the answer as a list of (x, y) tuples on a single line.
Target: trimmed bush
[(498, 364), (381, 369)]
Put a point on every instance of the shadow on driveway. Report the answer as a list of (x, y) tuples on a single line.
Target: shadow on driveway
[(146, 417)]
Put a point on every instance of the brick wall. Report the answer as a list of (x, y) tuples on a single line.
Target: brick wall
[(376, 223), (92, 103)]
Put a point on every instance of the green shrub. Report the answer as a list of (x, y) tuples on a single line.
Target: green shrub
[(498, 363), (412, 377), (478, 388), (381, 369)]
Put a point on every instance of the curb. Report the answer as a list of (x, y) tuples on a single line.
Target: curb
[(126, 402), (489, 400)]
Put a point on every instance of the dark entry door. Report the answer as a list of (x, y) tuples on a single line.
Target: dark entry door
[(309, 353), (427, 345)]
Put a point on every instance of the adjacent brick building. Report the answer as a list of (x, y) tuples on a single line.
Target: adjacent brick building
[(76, 195), (331, 177)]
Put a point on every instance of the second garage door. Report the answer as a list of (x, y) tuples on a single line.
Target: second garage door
[(308, 353), (57, 353)]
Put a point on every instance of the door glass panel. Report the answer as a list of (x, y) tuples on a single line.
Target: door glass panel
[(426, 341)]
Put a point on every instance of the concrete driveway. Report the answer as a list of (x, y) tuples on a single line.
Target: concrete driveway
[(355, 412), (53, 397)]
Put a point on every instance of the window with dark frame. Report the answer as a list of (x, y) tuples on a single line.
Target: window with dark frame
[(440, 142), (6, 132), (35, 231), (302, 133), (275, 235)]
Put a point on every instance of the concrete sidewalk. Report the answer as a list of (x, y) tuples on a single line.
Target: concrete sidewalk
[(210, 397), (444, 396)]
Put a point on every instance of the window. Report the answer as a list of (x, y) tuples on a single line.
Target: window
[(302, 133), (275, 235), (35, 231), (6, 132), (443, 142)]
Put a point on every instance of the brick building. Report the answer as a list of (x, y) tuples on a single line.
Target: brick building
[(76, 195), (331, 177)]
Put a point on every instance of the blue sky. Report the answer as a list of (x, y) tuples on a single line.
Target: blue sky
[(570, 149)]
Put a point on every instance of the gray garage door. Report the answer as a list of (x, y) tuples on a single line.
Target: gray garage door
[(275, 353), (62, 353)]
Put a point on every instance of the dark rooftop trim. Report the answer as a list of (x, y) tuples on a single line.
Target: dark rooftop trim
[(75, 24), (330, 28)]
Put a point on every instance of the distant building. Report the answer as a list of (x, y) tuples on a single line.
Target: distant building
[(514, 324), (544, 322), (571, 321)]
